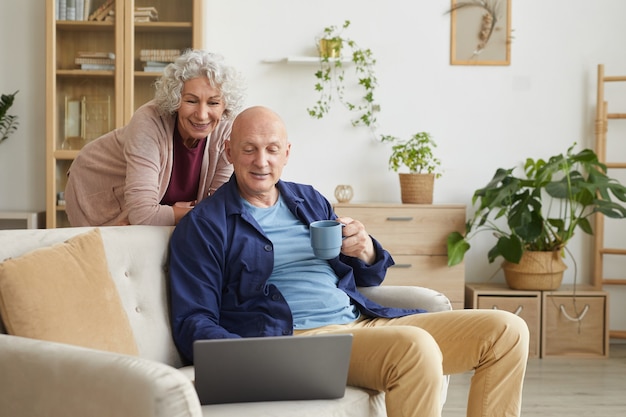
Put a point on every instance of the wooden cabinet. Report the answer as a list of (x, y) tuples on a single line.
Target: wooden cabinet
[(560, 323), (82, 104), (415, 235)]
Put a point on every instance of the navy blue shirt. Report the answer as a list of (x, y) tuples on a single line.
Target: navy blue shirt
[(220, 261)]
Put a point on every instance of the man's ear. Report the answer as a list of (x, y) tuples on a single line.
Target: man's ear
[(287, 153), (227, 150)]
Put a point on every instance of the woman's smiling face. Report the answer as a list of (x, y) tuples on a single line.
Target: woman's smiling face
[(200, 110)]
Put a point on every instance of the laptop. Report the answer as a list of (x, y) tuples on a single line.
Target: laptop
[(271, 368)]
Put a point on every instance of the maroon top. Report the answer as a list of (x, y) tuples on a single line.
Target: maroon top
[(185, 178)]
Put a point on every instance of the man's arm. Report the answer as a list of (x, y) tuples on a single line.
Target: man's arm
[(195, 284)]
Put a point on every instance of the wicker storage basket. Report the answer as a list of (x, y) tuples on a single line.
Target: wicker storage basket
[(417, 188), (539, 271)]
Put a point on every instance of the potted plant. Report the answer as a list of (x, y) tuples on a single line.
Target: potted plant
[(335, 49), (537, 214), (416, 154), (8, 123)]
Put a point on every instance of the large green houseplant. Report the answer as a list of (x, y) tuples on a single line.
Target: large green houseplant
[(8, 123), (417, 155), (542, 210), (335, 49)]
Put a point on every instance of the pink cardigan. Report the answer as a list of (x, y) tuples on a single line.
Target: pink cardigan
[(122, 176)]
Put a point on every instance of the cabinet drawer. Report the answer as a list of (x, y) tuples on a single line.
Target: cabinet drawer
[(574, 328), (408, 229), (526, 307), (430, 272)]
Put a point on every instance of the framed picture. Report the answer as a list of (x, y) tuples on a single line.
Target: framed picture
[(480, 32)]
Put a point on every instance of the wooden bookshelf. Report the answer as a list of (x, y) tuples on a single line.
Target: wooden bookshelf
[(179, 26)]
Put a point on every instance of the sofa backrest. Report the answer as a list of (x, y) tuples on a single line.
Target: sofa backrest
[(137, 259)]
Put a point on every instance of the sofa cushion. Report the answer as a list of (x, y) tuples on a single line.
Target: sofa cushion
[(64, 293)]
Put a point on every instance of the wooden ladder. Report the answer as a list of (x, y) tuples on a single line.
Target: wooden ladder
[(601, 128)]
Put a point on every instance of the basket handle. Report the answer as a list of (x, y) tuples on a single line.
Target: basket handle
[(580, 316), (517, 311)]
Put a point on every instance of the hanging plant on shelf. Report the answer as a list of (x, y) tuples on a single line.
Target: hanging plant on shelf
[(333, 48), (8, 123)]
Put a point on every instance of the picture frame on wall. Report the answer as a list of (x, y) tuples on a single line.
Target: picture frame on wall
[(480, 32)]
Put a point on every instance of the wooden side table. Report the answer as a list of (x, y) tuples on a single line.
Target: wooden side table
[(559, 323), (526, 304)]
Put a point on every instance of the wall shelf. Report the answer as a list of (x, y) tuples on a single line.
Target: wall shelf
[(300, 59)]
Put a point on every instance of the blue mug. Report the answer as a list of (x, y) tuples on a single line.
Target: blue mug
[(326, 238)]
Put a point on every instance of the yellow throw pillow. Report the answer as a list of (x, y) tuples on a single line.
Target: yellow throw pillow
[(65, 293)]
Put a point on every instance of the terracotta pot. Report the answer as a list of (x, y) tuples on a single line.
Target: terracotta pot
[(535, 271), (417, 188)]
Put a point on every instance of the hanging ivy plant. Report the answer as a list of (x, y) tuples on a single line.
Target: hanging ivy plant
[(331, 76)]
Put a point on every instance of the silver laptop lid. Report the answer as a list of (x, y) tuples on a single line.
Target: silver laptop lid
[(271, 368)]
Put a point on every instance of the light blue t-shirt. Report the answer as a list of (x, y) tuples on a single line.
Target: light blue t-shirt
[(308, 284)]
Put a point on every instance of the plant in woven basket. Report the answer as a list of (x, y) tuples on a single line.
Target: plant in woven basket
[(542, 210), (416, 155)]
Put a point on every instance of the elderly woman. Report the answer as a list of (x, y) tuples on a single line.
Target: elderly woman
[(169, 156)]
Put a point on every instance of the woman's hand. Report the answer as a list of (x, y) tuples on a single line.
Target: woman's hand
[(181, 208), (357, 242)]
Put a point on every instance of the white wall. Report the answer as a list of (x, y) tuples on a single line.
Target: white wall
[(23, 68), (482, 117)]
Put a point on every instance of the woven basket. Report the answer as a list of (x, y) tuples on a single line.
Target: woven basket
[(417, 188), (537, 271)]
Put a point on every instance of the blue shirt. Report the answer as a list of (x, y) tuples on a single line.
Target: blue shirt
[(308, 283), (221, 260)]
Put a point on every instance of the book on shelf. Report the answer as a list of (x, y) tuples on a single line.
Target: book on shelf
[(101, 61), (76, 10), (95, 54), (146, 14), (91, 67), (70, 10), (102, 11), (61, 9), (155, 66), (159, 55)]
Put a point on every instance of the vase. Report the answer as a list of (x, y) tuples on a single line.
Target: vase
[(537, 271), (330, 48), (417, 188), (344, 193)]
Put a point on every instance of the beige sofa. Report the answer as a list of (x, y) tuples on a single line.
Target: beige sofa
[(43, 378)]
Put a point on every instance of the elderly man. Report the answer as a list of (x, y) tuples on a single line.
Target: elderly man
[(242, 266)]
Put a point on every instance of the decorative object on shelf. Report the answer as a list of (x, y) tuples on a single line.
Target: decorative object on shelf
[(331, 76), (417, 155), (8, 122), (542, 210), (86, 118), (344, 193), (330, 48), (480, 32)]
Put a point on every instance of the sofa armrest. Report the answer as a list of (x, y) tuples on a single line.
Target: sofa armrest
[(407, 297), (57, 380)]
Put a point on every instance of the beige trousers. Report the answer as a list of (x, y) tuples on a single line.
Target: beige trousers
[(407, 357)]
